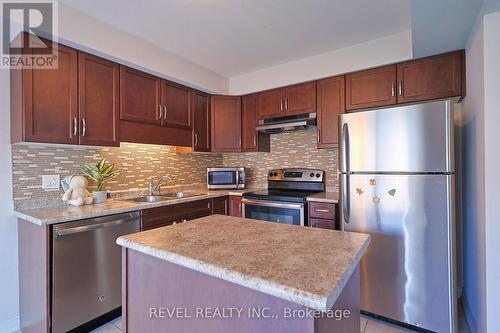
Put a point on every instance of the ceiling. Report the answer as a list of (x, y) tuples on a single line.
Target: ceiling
[(232, 37)]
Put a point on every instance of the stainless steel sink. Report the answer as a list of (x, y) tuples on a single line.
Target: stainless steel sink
[(149, 198), (177, 195), (165, 197)]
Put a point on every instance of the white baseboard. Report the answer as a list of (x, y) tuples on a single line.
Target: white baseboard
[(10, 325)]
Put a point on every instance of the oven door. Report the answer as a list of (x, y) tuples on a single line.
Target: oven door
[(274, 211)]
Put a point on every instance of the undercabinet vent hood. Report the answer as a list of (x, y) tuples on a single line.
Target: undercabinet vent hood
[(287, 124)]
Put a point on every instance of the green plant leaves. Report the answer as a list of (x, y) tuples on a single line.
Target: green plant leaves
[(100, 173)]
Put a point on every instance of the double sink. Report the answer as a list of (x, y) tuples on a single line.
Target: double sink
[(166, 197)]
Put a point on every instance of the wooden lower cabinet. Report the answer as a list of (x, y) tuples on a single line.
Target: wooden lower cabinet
[(323, 215), (220, 205), (167, 215), (235, 208)]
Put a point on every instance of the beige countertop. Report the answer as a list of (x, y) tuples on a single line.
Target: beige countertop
[(307, 266), (65, 213), (327, 197)]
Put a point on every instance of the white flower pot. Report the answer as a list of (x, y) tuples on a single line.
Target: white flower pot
[(99, 196)]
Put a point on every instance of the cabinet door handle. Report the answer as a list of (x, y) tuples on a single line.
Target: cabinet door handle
[(255, 140), (401, 88), (159, 115), (75, 127), (286, 103), (195, 139), (281, 104), (164, 112), (84, 127), (393, 89), (319, 135)]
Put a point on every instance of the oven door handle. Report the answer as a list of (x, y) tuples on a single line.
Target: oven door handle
[(272, 204)]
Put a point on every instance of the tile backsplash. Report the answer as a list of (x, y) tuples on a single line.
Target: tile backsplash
[(137, 163), (288, 150)]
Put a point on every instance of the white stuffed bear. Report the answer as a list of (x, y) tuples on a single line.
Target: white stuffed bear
[(76, 193)]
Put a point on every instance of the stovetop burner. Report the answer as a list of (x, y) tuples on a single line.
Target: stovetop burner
[(292, 185)]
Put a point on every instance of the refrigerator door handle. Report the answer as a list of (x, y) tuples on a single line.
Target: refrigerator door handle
[(346, 205), (346, 167), (345, 148)]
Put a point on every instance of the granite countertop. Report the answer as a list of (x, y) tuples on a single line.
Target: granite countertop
[(65, 213), (307, 266), (327, 197)]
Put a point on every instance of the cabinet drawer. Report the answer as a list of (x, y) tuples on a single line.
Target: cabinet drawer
[(322, 210), (174, 213), (321, 223)]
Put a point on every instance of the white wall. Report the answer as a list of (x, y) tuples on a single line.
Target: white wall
[(378, 52), (492, 167), (481, 181), (9, 301), (473, 185), (84, 32)]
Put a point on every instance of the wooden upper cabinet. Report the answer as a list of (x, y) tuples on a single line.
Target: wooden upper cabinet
[(201, 121), (252, 140), (271, 103), (226, 123), (371, 88), (249, 122), (98, 101), (430, 78), (300, 98), (175, 105), (331, 103), (140, 96), (44, 102)]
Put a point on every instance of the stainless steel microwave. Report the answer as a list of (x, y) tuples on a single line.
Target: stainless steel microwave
[(226, 178)]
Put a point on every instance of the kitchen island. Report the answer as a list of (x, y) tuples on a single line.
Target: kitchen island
[(228, 274)]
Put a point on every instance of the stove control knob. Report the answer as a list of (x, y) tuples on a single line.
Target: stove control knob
[(318, 175), (312, 174), (275, 174), (270, 174)]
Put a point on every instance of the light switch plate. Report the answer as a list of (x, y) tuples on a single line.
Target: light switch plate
[(50, 182)]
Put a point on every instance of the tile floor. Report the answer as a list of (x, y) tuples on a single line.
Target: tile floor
[(368, 325)]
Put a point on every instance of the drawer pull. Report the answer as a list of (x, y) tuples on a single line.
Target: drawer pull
[(322, 210)]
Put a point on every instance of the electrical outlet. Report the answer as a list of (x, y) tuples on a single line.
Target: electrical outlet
[(50, 182)]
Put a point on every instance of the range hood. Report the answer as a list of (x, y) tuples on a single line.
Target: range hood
[(287, 124)]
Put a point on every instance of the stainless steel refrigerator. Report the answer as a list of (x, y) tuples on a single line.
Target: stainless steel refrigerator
[(397, 183)]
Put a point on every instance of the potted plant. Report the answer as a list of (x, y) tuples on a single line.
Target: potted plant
[(100, 173)]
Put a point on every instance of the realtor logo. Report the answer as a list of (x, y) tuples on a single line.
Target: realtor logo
[(24, 25)]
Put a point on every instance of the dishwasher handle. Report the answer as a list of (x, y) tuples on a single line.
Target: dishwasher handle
[(85, 228)]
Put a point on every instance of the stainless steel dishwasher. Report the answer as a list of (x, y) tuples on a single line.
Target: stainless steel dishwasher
[(86, 268)]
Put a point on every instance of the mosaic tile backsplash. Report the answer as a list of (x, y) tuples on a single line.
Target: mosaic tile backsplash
[(138, 163), (288, 150)]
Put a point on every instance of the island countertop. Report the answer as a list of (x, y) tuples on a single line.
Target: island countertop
[(307, 266)]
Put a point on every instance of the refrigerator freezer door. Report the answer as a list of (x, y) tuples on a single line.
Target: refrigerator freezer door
[(407, 272), (406, 139)]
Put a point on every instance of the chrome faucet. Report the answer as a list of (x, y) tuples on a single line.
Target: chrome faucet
[(154, 186)]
